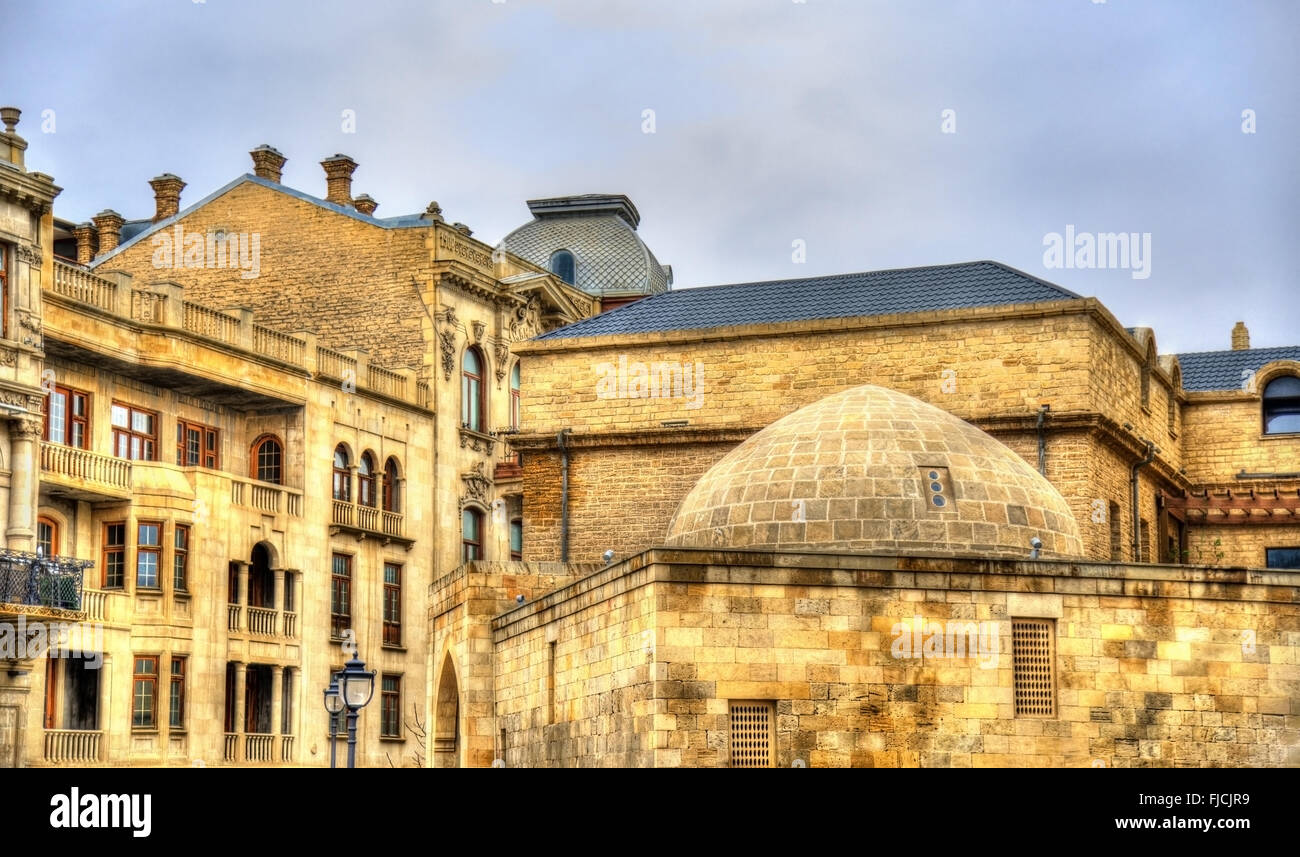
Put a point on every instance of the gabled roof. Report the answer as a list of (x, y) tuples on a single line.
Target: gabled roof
[(135, 231), (905, 290), (1227, 370)]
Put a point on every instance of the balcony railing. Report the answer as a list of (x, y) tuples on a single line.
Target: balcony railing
[(91, 468), (369, 519), (261, 621), (286, 748), (265, 497), (95, 603), (72, 745), (36, 581), (232, 617), (258, 748), (290, 624), (231, 753), (83, 286)]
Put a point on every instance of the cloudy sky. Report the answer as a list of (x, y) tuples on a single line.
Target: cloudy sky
[(773, 122)]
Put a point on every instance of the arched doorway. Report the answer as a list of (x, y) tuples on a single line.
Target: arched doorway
[(446, 734)]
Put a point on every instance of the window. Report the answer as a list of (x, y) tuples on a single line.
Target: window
[(1033, 665), (1116, 540), (286, 702), (114, 564), (148, 547), (471, 390), (268, 459), (288, 592), (135, 433), (4, 292), (176, 694), (144, 693), (471, 537), (366, 480), (392, 604), (67, 417), (752, 742), (1282, 557), (196, 445), (562, 266), (180, 557), (47, 536), (514, 397), (391, 503), (390, 714), (342, 476), (516, 539), (341, 595), (1282, 405)]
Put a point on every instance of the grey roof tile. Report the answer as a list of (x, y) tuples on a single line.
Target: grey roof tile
[(1226, 370)]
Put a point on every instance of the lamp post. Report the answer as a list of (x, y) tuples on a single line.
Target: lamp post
[(333, 704), (356, 686)]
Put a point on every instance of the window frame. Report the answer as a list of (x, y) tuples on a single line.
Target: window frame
[(143, 550), (129, 434), (392, 605), (110, 549), (516, 395), (149, 679), (516, 525), (1282, 405), (176, 693), (391, 501), (468, 545), (4, 290), (390, 706), (340, 584), (1268, 557), (366, 480), (342, 475), (181, 558), (70, 419), (209, 451), (473, 399), (552, 266), (53, 526), (255, 459)]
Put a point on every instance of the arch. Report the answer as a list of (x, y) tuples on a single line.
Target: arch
[(1280, 404), (473, 402), (366, 472), (266, 459), (342, 482), (261, 577), (446, 725), (392, 500), (564, 265), (49, 533)]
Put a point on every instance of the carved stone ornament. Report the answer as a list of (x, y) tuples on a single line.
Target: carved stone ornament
[(501, 351), (8, 357), (447, 342), (479, 329), (26, 428), (30, 255), (477, 486), (474, 441), (527, 321), (9, 397)]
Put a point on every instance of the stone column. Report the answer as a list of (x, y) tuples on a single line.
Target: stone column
[(277, 679), (243, 596), (24, 434), (277, 598), (241, 689)]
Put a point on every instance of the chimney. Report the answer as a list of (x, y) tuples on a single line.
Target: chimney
[(109, 223), (267, 163), (13, 145), (1240, 337), (166, 195), (85, 235), (365, 204), (338, 179)]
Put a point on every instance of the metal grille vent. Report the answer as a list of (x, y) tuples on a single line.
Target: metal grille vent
[(751, 734), (1033, 655)]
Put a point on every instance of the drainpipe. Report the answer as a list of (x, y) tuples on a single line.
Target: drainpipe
[(1042, 440), (564, 494), (1152, 449)]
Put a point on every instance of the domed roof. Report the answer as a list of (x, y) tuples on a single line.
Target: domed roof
[(600, 231), (872, 469)]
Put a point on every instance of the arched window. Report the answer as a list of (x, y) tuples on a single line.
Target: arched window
[(471, 390), (471, 534), (366, 480), (342, 477), (563, 266), (391, 501), (1282, 405), (268, 459), (47, 536), (514, 397)]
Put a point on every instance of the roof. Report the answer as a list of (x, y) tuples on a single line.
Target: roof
[(1226, 370), (904, 290)]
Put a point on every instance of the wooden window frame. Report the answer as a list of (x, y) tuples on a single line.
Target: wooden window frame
[(1278, 405), (340, 584), (143, 550), (392, 605), (342, 475), (70, 419), (46, 521), (176, 693), (470, 546), (129, 434), (151, 680), (472, 392), (517, 555), (209, 452), (390, 707), (390, 500), (110, 549), (255, 464), (181, 558), (516, 395), (366, 480)]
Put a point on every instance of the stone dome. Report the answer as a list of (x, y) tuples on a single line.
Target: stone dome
[(871, 469)]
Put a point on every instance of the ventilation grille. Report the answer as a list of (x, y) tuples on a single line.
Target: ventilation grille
[(751, 734), (1033, 654)]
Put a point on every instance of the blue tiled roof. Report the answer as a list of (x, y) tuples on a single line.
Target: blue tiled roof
[(906, 290), (1225, 370)]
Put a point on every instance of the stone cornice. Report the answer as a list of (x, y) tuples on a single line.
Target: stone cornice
[(538, 442)]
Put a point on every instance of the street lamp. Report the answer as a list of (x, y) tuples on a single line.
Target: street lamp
[(356, 686), (333, 704)]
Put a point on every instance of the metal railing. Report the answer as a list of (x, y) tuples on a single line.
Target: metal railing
[(55, 582)]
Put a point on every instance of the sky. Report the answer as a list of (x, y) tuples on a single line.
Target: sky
[(759, 139)]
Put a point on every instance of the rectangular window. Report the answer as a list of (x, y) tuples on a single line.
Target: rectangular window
[(517, 540), (390, 715), (148, 550), (67, 417), (392, 604), (288, 592), (196, 445), (752, 740), (1282, 557), (114, 555), (180, 557), (1033, 665), (144, 693), (135, 433), (176, 694), (341, 595)]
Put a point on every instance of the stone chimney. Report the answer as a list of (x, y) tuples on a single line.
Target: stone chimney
[(109, 223), (267, 163), (338, 179), (166, 195), (11, 145), (1240, 337), (85, 235), (365, 204)]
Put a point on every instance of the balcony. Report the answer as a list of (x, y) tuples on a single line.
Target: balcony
[(72, 746), (369, 522), (265, 497), (84, 475), (31, 584)]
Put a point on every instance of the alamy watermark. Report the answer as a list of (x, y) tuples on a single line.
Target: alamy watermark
[(659, 379), (1125, 250), (952, 639), (22, 640), (175, 248)]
